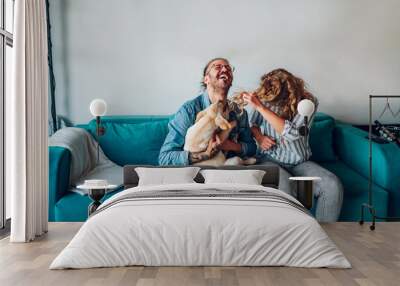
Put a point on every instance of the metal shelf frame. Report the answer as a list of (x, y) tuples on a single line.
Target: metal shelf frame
[(370, 205)]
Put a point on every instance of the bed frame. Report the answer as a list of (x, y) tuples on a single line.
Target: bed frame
[(271, 177)]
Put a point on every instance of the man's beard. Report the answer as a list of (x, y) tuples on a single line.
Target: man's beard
[(219, 86)]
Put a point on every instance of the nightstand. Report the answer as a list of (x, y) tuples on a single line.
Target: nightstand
[(96, 191), (304, 191), (96, 195)]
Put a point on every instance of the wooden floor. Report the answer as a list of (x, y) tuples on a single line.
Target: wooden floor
[(375, 257)]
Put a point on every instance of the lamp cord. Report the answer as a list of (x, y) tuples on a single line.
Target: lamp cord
[(98, 138)]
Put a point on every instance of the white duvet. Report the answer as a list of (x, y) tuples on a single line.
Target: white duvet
[(200, 231)]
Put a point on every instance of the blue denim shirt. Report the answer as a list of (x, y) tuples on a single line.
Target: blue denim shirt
[(172, 152)]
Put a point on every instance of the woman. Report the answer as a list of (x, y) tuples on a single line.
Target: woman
[(275, 125)]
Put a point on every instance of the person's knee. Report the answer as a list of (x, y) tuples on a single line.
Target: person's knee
[(332, 187)]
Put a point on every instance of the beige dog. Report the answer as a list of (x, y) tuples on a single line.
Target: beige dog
[(199, 135)]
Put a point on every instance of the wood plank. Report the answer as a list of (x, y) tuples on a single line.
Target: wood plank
[(375, 257)]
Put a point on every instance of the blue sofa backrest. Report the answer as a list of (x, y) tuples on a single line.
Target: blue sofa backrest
[(137, 139), (131, 139), (321, 138)]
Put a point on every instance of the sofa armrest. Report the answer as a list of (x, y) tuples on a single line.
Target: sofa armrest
[(352, 147), (59, 168)]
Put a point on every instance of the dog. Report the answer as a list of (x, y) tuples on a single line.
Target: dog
[(205, 128)]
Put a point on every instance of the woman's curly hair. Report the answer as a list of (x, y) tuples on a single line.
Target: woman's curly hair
[(282, 88)]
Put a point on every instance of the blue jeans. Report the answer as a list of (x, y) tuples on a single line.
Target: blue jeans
[(328, 192)]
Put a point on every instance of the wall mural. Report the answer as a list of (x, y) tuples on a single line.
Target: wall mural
[(262, 113)]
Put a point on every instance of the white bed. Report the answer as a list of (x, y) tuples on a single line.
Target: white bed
[(250, 225)]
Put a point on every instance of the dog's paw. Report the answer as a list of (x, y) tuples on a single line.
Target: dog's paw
[(234, 161), (233, 124), (250, 161)]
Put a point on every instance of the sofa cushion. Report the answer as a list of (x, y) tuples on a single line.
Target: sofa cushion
[(133, 143), (59, 166), (321, 139), (74, 207), (356, 192), (352, 147)]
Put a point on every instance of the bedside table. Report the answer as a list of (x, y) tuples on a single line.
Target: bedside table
[(96, 191), (96, 195), (305, 190)]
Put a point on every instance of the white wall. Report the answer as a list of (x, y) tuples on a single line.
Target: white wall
[(146, 57)]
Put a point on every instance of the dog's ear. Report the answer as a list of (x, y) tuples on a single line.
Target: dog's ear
[(222, 123)]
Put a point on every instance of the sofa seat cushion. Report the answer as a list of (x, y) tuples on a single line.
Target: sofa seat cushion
[(74, 207), (356, 192)]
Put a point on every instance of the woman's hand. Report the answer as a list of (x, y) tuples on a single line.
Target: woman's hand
[(265, 142), (252, 99)]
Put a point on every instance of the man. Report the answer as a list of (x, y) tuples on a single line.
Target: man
[(217, 79)]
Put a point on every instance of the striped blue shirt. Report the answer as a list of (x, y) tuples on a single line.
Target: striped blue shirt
[(291, 148)]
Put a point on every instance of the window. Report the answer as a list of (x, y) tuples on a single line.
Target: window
[(6, 44)]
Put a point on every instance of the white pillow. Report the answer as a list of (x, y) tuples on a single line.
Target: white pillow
[(166, 176), (248, 177)]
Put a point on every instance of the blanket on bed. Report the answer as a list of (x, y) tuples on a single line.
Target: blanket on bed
[(205, 194), (199, 225)]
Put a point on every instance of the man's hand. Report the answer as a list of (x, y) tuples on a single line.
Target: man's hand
[(229, 145), (265, 142)]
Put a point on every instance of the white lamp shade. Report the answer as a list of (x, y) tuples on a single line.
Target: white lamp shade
[(306, 107), (98, 107)]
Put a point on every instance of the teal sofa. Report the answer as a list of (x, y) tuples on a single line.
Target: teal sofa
[(339, 147)]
